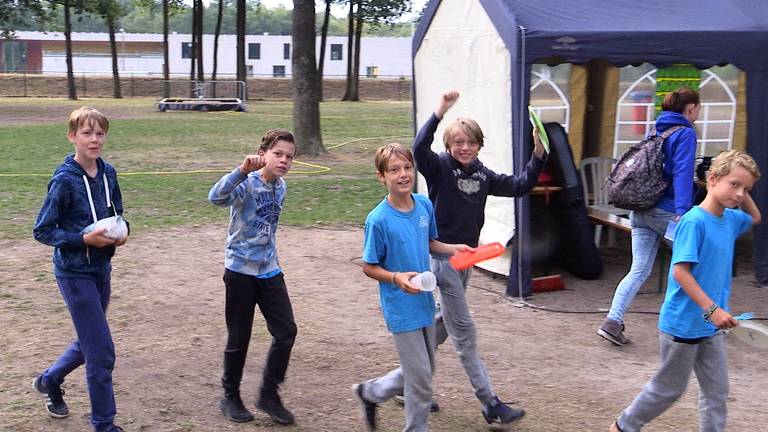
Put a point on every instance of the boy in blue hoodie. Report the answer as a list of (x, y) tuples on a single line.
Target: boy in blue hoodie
[(254, 193), (82, 191)]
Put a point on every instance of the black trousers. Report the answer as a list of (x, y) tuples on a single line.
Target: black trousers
[(244, 292)]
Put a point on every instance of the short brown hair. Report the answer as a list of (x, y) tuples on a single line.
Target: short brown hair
[(466, 125), (385, 153), (272, 136), (85, 116), (677, 100), (727, 159)]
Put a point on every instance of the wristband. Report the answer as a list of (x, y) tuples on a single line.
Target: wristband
[(394, 275), (710, 311)]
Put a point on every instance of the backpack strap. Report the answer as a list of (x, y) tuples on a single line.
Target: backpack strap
[(670, 131)]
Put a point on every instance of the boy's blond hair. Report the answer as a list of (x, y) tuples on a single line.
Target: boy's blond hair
[(86, 116), (727, 159), (466, 125), (385, 153)]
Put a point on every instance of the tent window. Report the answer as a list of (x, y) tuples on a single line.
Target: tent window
[(550, 93), (635, 117)]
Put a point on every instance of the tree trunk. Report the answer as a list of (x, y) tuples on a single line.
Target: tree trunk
[(350, 49), (166, 59), (193, 52), (216, 44), (71, 89), (241, 70), (355, 87), (116, 91), (323, 40), (199, 46), (306, 81)]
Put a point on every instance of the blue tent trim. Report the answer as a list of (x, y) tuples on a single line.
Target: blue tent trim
[(661, 32)]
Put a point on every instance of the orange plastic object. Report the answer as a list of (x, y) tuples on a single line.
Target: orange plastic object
[(547, 283), (465, 260)]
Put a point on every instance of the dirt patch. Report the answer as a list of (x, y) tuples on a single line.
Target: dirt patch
[(167, 321)]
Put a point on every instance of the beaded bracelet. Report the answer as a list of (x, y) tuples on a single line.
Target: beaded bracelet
[(710, 311)]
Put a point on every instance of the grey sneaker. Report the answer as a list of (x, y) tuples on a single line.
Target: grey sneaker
[(400, 400), (613, 331)]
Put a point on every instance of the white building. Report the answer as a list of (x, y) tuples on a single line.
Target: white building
[(142, 54)]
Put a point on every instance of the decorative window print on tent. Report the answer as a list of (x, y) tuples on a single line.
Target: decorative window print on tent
[(550, 96), (635, 110)]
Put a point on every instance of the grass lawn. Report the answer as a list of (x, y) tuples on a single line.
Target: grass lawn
[(196, 149)]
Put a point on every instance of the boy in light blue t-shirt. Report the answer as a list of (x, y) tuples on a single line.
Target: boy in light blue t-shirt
[(696, 304), (399, 235)]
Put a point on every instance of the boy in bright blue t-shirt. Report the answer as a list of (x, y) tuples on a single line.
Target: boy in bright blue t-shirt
[(399, 235), (696, 308)]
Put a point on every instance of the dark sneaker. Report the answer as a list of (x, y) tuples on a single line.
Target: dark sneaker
[(116, 429), (498, 412), (433, 407), (273, 406), (369, 408), (613, 331), (234, 410), (54, 398)]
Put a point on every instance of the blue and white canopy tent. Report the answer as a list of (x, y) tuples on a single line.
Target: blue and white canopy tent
[(485, 48)]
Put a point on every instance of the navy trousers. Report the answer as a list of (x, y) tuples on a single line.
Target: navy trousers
[(87, 301)]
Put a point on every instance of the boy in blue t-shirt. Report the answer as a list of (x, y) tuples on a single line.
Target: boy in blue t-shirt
[(83, 190), (399, 235), (696, 304)]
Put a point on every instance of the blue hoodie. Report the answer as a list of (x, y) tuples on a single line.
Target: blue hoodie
[(679, 160), (66, 211)]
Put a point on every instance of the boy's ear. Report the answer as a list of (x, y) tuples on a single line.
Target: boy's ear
[(71, 136), (380, 177)]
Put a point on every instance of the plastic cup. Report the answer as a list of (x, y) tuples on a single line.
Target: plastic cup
[(425, 281)]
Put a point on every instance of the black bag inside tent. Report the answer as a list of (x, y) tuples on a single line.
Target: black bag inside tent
[(575, 250)]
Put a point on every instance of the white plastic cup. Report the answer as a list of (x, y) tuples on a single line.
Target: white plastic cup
[(425, 281)]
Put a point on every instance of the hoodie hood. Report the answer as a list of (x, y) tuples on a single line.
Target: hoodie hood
[(71, 166), (667, 119)]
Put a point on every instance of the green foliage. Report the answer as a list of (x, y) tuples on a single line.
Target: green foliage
[(210, 144), (144, 16)]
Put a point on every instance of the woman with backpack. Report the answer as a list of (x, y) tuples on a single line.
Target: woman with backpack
[(680, 108)]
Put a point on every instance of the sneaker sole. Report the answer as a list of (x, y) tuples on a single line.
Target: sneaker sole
[(498, 425), (609, 337), (45, 401)]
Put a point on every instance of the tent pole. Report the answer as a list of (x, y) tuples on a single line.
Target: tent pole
[(520, 137)]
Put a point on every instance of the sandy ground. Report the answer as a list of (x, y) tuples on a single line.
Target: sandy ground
[(167, 322)]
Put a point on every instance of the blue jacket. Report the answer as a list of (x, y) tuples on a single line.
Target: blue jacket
[(66, 211), (679, 163), (459, 195)]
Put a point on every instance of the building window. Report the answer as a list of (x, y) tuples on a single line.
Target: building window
[(372, 71), (249, 70), (286, 51), (278, 71), (254, 51), (186, 50), (336, 52)]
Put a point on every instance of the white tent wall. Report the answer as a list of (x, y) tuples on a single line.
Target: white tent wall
[(462, 50)]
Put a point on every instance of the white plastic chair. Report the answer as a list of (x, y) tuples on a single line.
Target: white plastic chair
[(594, 173)]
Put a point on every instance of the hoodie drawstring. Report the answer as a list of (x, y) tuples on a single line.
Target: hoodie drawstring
[(93, 208)]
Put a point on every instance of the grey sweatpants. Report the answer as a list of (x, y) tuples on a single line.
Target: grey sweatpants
[(454, 319), (413, 378), (708, 360)]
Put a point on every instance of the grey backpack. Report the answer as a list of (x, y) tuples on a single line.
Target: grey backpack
[(636, 181)]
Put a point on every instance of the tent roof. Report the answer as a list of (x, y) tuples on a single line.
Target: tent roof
[(701, 32)]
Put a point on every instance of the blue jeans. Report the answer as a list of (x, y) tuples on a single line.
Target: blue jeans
[(87, 301), (648, 227)]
